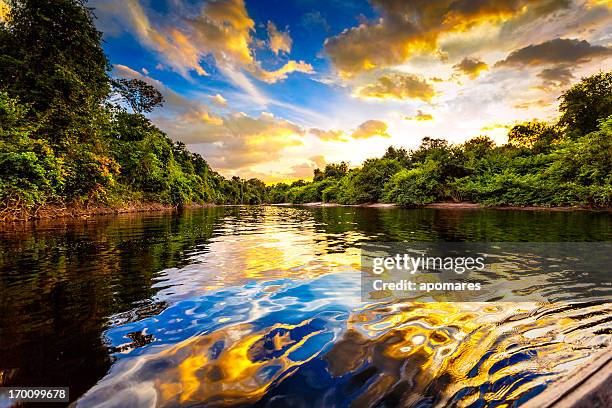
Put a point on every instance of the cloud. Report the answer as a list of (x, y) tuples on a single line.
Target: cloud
[(175, 105), (471, 67), (245, 141), (306, 170), (420, 116), (232, 141), (328, 135), (281, 73), (222, 32), (218, 99), (407, 28), (398, 86), (370, 129), (531, 104), (314, 21), (178, 51), (319, 160), (556, 76), (557, 51), (278, 40)]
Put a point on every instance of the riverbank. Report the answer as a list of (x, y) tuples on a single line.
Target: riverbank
[(450, 206), (82, 211)]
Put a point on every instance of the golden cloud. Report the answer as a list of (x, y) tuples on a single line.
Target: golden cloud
[(328, 135), (305, 170), (319, 160), (281, 73), (420, 116), (530, 104), (471, 67), (406, 28), (181, 110), (245, 141), (278, 40), (398, 86), (218, 99), (370, 129), (222, 30)]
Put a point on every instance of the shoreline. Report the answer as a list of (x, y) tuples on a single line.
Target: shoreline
[(49, 212), (449, 206), (81, 212)]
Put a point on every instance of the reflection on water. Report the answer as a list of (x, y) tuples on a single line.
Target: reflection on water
[(261, 306)]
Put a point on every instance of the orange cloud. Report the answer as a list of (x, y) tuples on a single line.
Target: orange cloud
[(278, 40), (222, 30), (218, 99), (281, 73), (329, 135), (398, 85), (370, 129), (406, 28), (420, 116), (471, 67)]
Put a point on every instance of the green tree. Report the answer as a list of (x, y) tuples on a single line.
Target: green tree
[(50, 56), (535, 135), (138, 94), (586, 102)]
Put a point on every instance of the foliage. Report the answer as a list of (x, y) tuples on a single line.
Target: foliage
[(141, 97), (51, 59), (416, 186), (543, 164), (585, 103), (534, 135), (63, 141)]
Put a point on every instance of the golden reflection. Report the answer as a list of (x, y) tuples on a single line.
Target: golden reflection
[(230, 366), (394, 351), (460, 347)]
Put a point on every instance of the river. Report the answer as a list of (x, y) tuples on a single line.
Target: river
[(236, 306)]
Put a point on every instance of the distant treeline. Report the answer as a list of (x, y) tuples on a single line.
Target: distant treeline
[(566, 163), (66, 138)]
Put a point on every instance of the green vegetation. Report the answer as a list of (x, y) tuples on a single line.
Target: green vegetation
[(66, 139), (567, 163)]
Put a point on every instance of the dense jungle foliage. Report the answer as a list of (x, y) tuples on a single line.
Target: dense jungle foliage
[(65, 140), (566, 163)]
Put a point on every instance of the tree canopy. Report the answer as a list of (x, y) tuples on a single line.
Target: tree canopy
[(138, 94)]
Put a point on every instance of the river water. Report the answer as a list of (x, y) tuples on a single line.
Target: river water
[(240, 306)]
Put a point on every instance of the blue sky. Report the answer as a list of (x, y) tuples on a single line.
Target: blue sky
[(273, 89)]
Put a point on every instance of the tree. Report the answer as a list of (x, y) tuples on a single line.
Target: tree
[(398, 153), (141, 96), (51, 58), (535, 135), (335, 170), (586, 102)]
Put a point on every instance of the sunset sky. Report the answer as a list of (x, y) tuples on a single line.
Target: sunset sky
[(273, 89)]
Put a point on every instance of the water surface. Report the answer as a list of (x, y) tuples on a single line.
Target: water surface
[(261, 306)]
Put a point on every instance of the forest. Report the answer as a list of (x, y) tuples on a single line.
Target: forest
[(566, 163), (73, 135)]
